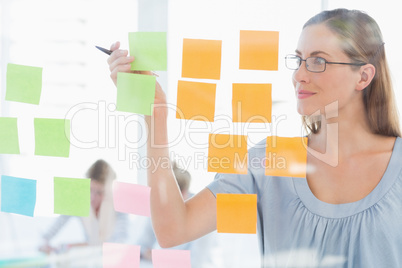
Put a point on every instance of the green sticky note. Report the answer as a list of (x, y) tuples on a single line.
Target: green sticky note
[(24, 83), (9, 136), (149, 50), (52, 137), (72, 196), (135, 93)]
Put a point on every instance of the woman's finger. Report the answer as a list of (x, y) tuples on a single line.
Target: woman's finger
[(120, 61), (115, 46)]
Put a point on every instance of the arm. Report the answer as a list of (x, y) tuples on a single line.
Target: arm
[(56, 227), (53, 230), (174, 221)]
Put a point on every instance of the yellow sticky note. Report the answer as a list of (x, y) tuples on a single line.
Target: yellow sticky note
[(286, 157), (252, 103), (196, 101), (227, 153), (236, 213), (201, 59), (259, 50)]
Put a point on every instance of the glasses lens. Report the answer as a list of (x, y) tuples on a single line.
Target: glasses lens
[(292, 62), (315, 64)]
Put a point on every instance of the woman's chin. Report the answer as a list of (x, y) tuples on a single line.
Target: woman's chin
[(304, 111)]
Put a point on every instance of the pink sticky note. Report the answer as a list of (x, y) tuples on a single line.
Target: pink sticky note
[(131, 198), (121, 256), (171, 258)]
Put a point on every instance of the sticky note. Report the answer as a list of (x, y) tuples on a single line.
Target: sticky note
[(131, 198), (236, 213), (135, 93), (171, 258), (196, 101), (149, 50), (9, 143), (252, 103), (72, 196), (227, 153), (52, 137), (18, 195), (259, 50), (201, 58), (24, 83), (286, 156), (120, 255)]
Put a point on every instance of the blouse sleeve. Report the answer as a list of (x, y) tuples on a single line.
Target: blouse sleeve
[(56, 227), (243, 183)]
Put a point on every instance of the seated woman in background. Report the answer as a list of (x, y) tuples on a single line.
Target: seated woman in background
[(103, 224)]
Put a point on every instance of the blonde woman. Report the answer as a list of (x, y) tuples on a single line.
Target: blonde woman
[(344, 215), (103, 224)]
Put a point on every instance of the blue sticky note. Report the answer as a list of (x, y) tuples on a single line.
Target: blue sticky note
[(18, 195)]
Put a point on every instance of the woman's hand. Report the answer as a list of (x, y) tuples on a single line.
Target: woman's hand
[(119, 61)]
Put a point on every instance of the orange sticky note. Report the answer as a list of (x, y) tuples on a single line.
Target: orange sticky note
[(227, 153), (252, 103), (259, 50), (236, 213), (286, 157), (196, 101), (201, 58)]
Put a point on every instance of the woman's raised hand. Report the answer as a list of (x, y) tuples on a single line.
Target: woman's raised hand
[(119, 61)]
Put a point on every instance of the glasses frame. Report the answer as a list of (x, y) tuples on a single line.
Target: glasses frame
[(325, 66)]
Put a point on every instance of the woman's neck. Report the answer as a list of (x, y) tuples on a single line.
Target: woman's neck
[(342, 134)]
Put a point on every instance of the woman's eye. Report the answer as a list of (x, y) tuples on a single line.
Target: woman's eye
[(319, 61)]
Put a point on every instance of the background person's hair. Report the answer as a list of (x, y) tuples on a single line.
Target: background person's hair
[(101, 172), (183, 177), (362, 42)]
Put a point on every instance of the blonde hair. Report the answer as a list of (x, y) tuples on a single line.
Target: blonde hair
[(362, 42), (101, 172)]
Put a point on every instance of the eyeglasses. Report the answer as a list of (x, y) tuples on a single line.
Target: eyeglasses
[(313, 64)]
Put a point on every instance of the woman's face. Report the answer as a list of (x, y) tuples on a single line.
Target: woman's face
[(315, 91), (97, 193)]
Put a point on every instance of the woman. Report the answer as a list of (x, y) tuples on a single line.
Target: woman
[(346, 214), (103, 224)]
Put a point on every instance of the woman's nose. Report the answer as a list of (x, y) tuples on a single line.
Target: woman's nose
[(301, 75)]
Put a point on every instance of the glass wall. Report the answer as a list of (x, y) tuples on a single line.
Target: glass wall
[(60, 36)]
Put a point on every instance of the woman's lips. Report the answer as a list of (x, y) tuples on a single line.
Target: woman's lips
[(303, 94)]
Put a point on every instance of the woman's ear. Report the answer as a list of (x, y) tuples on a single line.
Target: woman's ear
[(367, 73)]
